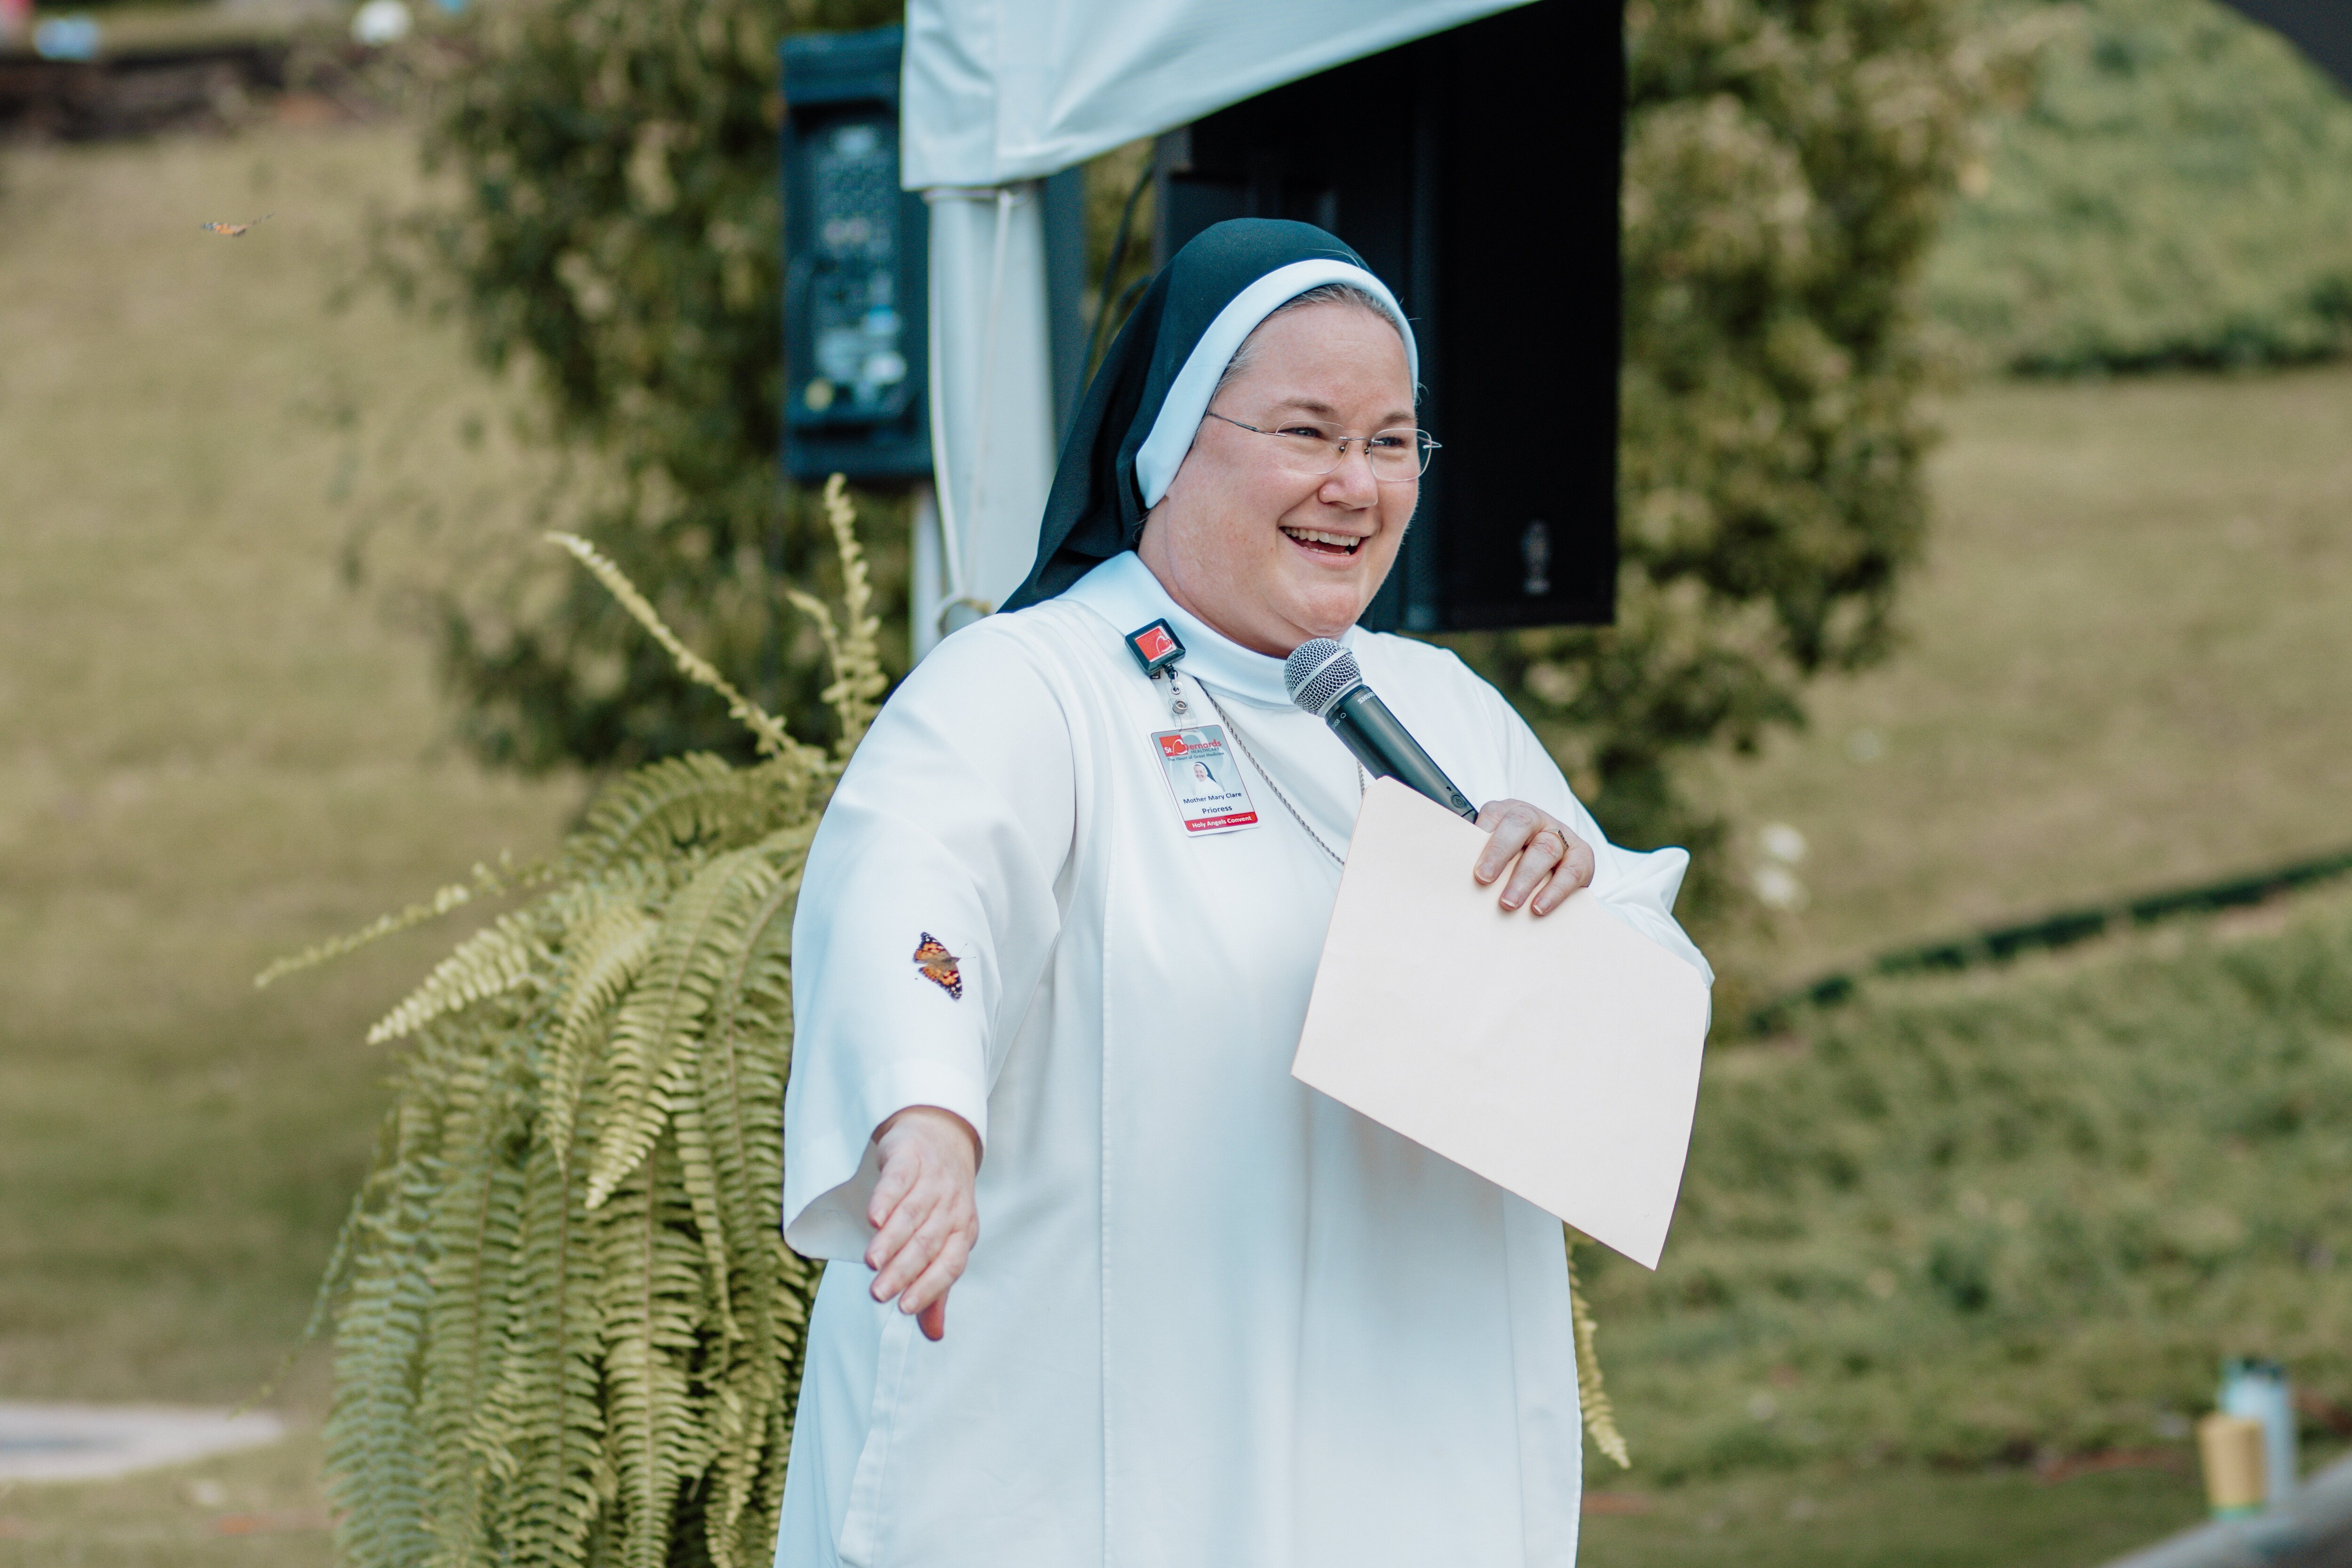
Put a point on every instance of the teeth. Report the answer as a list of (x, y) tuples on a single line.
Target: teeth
[(1315, 536)]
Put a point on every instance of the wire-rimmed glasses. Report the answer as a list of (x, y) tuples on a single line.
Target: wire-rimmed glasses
[(1397, 456)]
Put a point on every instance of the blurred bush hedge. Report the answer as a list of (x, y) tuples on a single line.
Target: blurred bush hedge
[(2177, 189), (613, 222)]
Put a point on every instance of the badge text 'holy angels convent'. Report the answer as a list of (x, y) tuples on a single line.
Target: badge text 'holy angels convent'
[(1557, 1058)]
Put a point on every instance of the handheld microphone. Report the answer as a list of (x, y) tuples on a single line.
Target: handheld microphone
[(1324, 680)]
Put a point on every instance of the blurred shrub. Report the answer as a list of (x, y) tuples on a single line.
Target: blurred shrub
[(609, 221), (1785, 167), (2177, 189), (2020, 1213)]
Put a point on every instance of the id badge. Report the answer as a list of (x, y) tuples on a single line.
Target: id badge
[(1205, 778)]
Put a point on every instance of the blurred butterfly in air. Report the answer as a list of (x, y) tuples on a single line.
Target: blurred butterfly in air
[(939, 965), (232, 230)]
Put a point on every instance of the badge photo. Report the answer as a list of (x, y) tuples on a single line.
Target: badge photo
[(1205, 779)]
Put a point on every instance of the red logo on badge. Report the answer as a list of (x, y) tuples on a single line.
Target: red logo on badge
[(1173, 745), (1154, 643)]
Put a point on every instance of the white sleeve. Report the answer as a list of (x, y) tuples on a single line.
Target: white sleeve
[(1637, 885), (953, 821)]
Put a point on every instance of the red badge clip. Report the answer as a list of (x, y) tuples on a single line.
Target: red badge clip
[(1155, 648)]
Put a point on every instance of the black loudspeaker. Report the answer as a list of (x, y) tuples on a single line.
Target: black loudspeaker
[(2320, 28), (858, 262), (1476, 171), (856, 319)]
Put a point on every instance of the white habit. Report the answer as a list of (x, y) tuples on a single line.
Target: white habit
[(1213, 1319)]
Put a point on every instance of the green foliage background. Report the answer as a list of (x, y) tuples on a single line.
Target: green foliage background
[(2020, 1214), (1786, 159), (2176, 189)]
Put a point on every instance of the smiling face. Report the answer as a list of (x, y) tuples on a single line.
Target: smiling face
[(1244, 542)]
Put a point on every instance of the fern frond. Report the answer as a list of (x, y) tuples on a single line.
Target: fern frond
[(495, 959), (652, 1293), (768, 731), (704, 922), (603, 954), (738, 1083), (1599, 1414), (858, 681), (642, 821), (546, 1406), (485, 882), (374, 1451), (736, 1096), (469, 1243)]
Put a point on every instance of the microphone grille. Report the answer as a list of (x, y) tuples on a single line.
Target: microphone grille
[(1318, 673)]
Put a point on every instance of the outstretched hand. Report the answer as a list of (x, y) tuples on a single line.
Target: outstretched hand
[(1553, 862), (925, 1221)]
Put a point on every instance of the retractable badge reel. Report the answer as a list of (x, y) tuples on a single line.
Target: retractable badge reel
[(1207, 787)]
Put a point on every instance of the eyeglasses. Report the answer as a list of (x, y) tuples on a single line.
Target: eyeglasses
[(1309, 451)]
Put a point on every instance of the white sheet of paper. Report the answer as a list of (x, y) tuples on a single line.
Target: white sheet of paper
[(1557, 1058)]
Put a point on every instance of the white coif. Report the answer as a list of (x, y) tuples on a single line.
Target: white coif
[(1187, 402), (997, 90), (1214, 1317)]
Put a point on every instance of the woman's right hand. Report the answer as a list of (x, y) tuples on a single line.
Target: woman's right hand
[(925, 1221)]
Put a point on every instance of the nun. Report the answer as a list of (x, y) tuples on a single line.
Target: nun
[(1108, 1288)]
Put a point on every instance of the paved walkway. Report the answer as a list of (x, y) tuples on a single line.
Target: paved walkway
[(92, 1442)]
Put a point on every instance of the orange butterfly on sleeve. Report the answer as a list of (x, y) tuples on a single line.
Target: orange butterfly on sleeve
[(939, 965), (233, 230)]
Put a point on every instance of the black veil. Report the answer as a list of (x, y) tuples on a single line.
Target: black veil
[(1097, 505)]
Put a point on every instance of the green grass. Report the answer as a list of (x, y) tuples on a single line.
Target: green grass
[(2124, 669), (1895, 1518), (260, 1509), (210, 751), (2020, 1213), (2122, 672)]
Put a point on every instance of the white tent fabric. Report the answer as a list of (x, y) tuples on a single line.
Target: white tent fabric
[(998, 91)]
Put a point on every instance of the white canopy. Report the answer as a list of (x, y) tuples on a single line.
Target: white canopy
[(999, 91)]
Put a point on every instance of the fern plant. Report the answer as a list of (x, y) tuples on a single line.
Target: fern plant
[(567, 1328)]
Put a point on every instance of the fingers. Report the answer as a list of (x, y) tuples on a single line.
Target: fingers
[(925, 1217), (1510, 824), (899, 1169), (1574, 872), (1551, 861), (945, 1269), (898, 1207), (920, 1273), (1544, 850), (943, 1236), (902, 1248)]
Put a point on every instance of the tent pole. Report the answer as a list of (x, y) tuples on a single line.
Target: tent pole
[(991, 398)]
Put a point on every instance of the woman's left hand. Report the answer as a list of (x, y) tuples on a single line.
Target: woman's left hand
[(1553, 862)]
